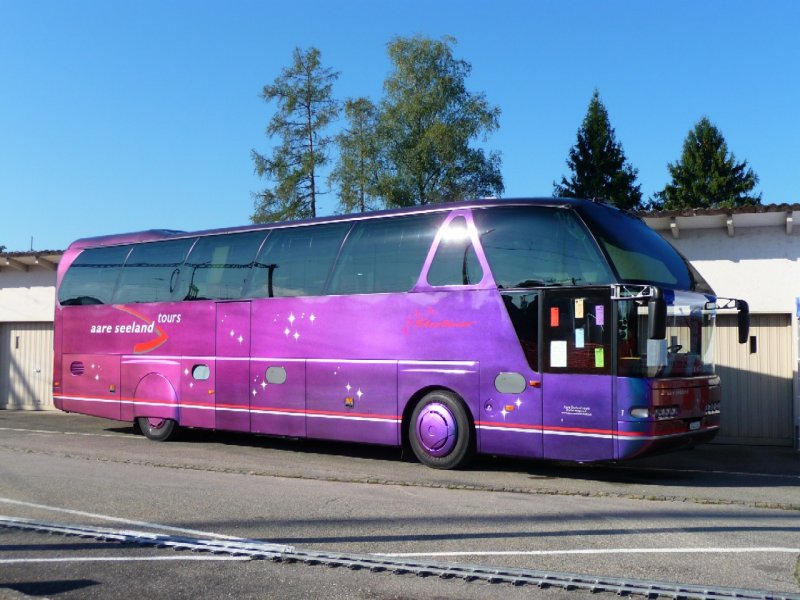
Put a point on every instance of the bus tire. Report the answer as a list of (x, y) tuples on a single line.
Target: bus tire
[(157, 429), (440, 432)]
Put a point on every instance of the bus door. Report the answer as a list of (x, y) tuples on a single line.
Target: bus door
[(577, 382), (232, 393), (511, 411)]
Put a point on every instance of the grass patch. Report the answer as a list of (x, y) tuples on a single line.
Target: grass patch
[(797, 571)]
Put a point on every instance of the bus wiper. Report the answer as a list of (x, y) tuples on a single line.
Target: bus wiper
[(530, 283), (567, 281)]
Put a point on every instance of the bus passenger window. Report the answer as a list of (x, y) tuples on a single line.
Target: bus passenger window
[(295, 261), (455, 261), (218, 266), (384, 255), (152, 270), (91, 278)]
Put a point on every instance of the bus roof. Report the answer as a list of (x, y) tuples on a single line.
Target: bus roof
[(157, 234)]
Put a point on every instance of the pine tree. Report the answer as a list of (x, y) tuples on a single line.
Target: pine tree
[(707, 175), (305, 107), (356, 173), (598, 164)]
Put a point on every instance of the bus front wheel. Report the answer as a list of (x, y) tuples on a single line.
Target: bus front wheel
[(157, 429), (439, 431)]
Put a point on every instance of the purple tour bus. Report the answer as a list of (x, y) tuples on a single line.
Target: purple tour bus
[(554, 328)]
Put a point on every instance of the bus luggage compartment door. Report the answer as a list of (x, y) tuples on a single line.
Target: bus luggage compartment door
[(232, 394)]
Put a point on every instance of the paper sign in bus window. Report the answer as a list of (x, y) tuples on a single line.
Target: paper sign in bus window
[(657, 353), (600, 315), (554, 317), (578, 308), (599, 358), (558, 354)]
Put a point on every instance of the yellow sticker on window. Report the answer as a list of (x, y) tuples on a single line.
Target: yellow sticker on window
[(578, 308), (599, 358)]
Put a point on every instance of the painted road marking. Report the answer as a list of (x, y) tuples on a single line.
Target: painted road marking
[(80, 513), (707, 472), (114, 435), (25, 561), (594, 551)]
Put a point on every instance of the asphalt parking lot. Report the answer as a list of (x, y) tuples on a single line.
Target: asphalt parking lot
[(717, 515)]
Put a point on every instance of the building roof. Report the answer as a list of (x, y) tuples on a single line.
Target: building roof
[(730, 219), (26, 261)]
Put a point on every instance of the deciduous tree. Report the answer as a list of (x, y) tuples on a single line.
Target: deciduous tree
[(427, 121)]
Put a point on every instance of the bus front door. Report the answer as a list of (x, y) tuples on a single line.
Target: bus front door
[(577, 401)]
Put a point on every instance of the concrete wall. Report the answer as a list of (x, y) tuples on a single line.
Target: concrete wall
[(759, 264), (27, 296), (27, 305)]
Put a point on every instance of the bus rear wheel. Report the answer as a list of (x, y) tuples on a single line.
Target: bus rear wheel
[(439, 431), (156, 428)]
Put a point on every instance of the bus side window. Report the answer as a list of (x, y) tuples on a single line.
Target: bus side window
[(455, 261), (218, 266), (534, 246), (295, 261), (91, 278), (152, 270), (384, 255), (523, 310)]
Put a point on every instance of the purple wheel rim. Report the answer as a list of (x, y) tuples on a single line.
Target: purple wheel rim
[(156, 423), (436, 429)]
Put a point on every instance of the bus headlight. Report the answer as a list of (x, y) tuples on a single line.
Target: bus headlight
[(640, 412)]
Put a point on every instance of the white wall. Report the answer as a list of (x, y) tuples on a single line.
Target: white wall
[(27, 296), (758, 264)]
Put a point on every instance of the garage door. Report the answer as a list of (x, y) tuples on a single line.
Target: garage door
[(756, 380), (26, 364)]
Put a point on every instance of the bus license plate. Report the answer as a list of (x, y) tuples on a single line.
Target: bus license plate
[(694, 425)]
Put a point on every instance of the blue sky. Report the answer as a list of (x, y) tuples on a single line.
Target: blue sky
[(125, 115)]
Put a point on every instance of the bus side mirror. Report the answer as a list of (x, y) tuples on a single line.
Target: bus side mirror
[(657, 317), (743, 320)]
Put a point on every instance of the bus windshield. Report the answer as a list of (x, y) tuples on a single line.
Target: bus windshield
[(639, 254), (687, 350)]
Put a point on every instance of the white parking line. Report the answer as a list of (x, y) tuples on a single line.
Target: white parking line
[(80, 513), (593, 551), (114, 435), (706, 472), (25, 561)]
